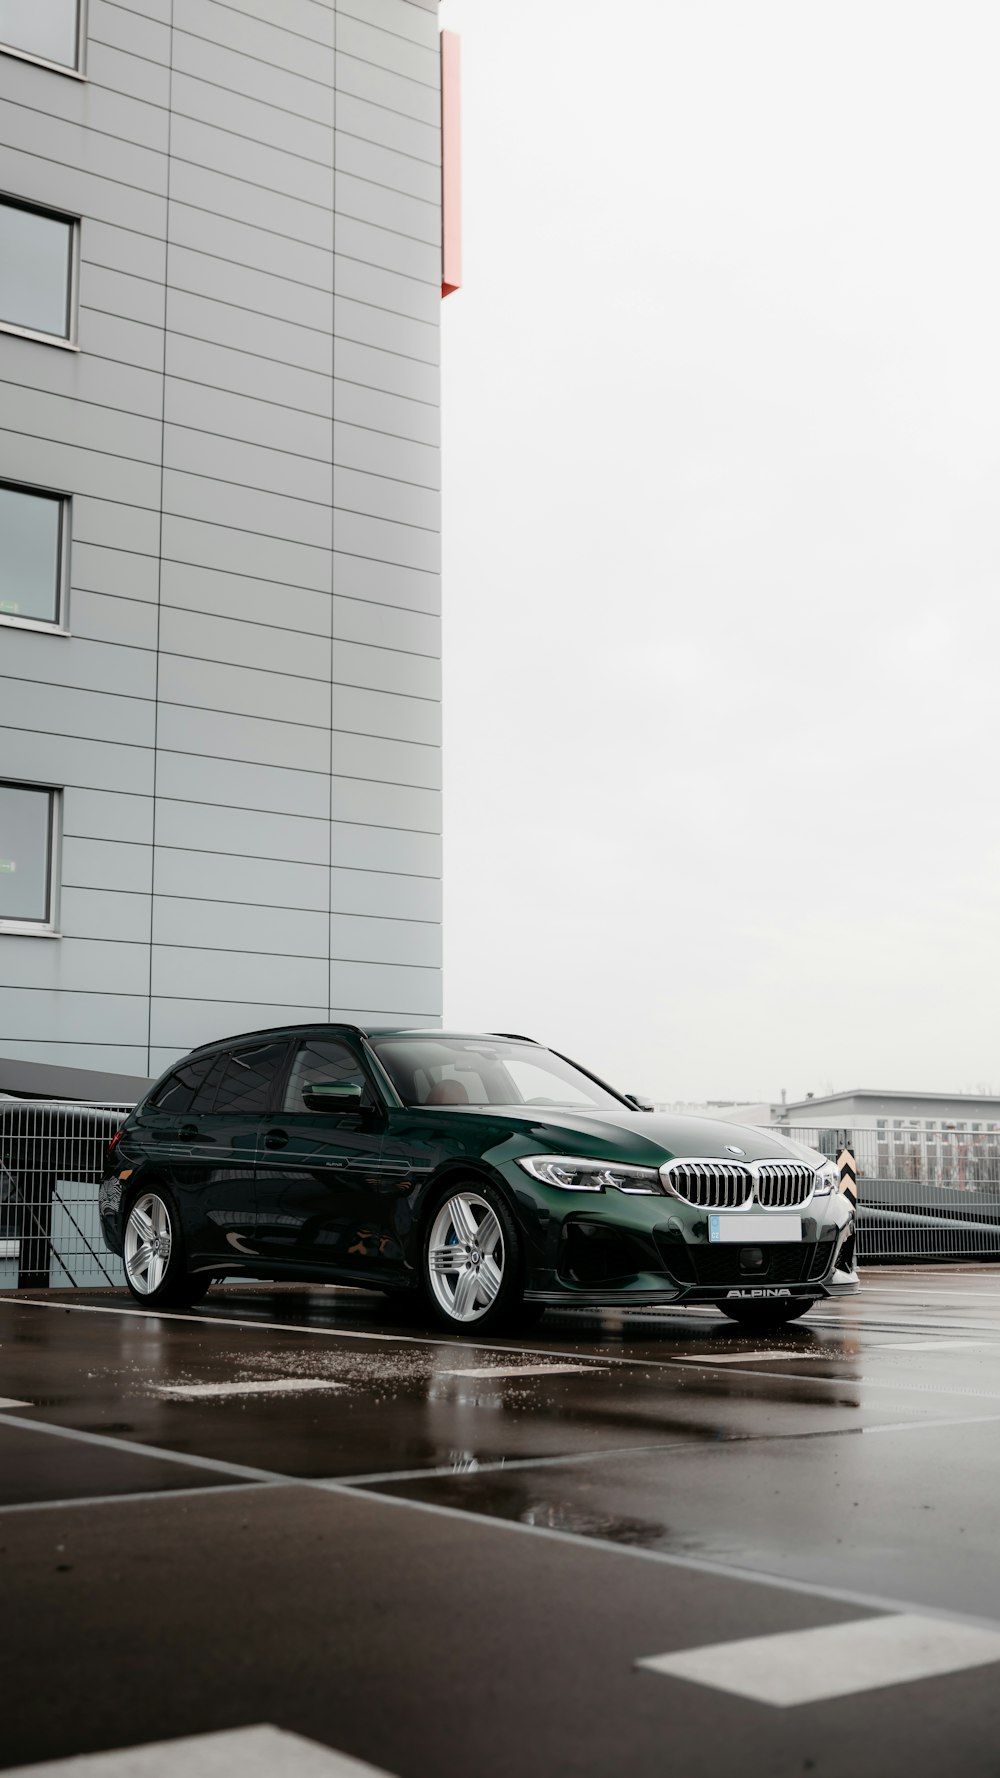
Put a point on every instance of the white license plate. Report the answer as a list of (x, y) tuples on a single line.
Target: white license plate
[(755, 1229)]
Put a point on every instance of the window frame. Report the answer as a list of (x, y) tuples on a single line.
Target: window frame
[(77, 70), (59, 625), (303, 1040), (69, 341), (49, 926)]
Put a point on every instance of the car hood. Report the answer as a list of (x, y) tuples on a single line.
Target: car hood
[(646, 1138)]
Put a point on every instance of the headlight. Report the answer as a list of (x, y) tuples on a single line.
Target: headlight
[(827, 1180), (573, 1175)]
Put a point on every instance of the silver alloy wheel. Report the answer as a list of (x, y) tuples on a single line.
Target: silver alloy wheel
[(148, 1238), (465, 1256)]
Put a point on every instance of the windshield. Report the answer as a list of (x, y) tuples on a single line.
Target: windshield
[(461, 1071)]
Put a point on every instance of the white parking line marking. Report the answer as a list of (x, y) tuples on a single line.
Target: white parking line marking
[(273, 1386), (516, 1370), (933, 1345), (714, 1358), (10, 1401), (258, 1752), (803, 1666)]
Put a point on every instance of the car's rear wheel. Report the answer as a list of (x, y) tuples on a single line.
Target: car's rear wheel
[(473, 1260), (773, 1314), (153, 1251)]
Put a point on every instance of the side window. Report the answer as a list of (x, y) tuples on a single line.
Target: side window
[(178, 1091), (318, 1062), (246, 1083)]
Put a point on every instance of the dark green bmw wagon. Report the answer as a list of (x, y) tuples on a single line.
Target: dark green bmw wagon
[(486, 1176)]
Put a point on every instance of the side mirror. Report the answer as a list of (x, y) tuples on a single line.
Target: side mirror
[(639, 1102), (332, 1096)]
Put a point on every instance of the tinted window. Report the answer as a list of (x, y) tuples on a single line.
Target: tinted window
[(25, 853), (30, 554), (35, 257), (444, 1071), (178, 1092), (246, 1083), (45, 28), (317, 1062)]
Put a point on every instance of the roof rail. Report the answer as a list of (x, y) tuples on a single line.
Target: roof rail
[(515, 1036)]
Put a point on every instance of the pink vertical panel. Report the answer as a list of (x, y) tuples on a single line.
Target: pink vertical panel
[(451, 163)]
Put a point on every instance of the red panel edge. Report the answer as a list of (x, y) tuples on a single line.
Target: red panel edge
[(451, 163)]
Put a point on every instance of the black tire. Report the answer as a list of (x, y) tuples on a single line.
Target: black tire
[(176, 1288), (507, 1309), (765, 1315)]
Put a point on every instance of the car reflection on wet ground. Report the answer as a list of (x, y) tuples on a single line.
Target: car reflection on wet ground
[(295, 1506)]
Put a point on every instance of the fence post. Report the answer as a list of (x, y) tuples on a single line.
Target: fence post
[(848, 1174)]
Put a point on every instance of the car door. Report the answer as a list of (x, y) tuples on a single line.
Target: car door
[(206, 1153), (318, 1199)]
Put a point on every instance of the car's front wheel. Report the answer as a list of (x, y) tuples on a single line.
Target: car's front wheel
[(767, 1314), (155, 1270), (473, 1260)]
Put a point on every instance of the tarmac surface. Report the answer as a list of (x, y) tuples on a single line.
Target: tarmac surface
[(296, 1507)]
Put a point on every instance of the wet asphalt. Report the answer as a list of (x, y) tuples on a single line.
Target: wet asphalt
[(428, 1552)]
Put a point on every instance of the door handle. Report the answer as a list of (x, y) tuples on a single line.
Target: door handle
[(187, 1133), (276, 1139)]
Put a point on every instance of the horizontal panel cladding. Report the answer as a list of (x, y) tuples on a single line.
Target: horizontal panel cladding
[(70, 421), (399, 459), (271, 559), (306, 348), (56, 1017), (360, 238), (358, 404), (248, 419), (124, 29), (206, 827), (364, 324), (225, 926), (243, 784), (386, 626), (368, 802), (63, 710), (111, 1058), (373, 122), (275, 211), (214, 685), (385, 583), (250, 466), (50, 464), (390, 291), (255, 645), (385, 895), (115, 339), (361, 939), (398, 16), (223, 594), (107, 864), (368, 756), (121, 293), (215, 876), (86, 150), (415, 218), (386, 669), (268, 293), (256, 163), (393, 849), (84, 378), (109, 618), (178, 1025), (229, 69), (389, 716), (388, 167), (120, 572), (39, 178), (241, 373), (107, 815), (104, 913), (385, 497), (410, 546), (80, 663), (205, 974), (221, 735), (306, 53), (386, 985), (241, 244), (111, 525), (251, 118), (40, 757), (397, 92), (251, 510), (385, 48), (76, 965), (122, 250), (121, 71)]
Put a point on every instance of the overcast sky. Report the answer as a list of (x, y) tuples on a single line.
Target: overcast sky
[(722, 462)]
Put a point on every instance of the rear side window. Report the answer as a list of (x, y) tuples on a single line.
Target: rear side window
[(180, 1089), (246, 1083), (317, 1063)]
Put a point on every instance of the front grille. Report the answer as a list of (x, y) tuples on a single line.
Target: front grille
[(787, 1262), (783, 1184), (710, 1185)]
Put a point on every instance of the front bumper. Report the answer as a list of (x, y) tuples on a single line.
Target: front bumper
[(618, 1249)]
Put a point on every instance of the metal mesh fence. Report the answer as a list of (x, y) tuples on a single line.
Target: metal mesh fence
[(51, 1161), (923, 1192), (926, 1189)]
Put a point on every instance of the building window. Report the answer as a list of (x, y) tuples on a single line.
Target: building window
[(34, 532), (37, 272), (27, 854), (45, 30)]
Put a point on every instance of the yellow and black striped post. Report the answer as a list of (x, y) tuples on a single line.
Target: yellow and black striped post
[(848, 1174)]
